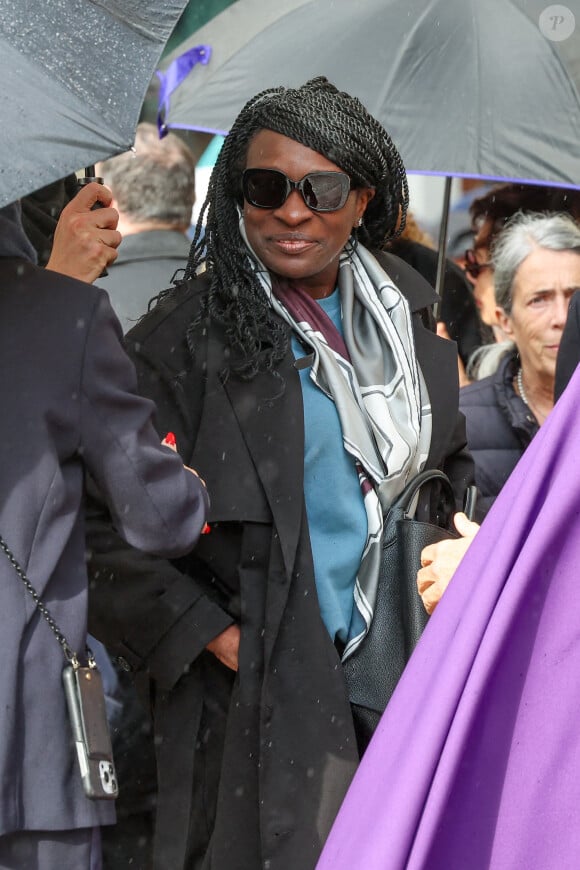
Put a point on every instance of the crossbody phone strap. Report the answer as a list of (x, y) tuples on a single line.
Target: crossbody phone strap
[(69, 654)]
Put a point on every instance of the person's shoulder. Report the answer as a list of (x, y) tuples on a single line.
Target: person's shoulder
[(478, 393), (417, 290), (172, 311), (569, 352), (574, 306), (52, 289)]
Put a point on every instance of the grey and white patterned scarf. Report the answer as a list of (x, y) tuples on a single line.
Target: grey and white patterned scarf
[(378, 390)]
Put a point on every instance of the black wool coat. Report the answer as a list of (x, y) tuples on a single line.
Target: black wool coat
[(261, 759)]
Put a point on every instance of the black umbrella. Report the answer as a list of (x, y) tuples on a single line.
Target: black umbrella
[(74, 74), (464, 87)]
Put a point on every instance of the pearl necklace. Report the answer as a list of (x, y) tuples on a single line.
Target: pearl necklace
[(521, 391)]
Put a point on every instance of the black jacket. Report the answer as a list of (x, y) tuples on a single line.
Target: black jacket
[(499, 428), (569, 352), (262, 760), (457, 309)]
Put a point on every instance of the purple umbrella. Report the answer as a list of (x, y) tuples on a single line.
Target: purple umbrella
[(476, 762)]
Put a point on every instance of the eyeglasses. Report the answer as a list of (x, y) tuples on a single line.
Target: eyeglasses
[(472, 267), (270, 188)]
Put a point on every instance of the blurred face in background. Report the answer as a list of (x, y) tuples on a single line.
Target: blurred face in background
[(480, 273)]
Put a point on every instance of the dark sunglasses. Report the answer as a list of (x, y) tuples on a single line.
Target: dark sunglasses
[(472, 267), (270, 188)]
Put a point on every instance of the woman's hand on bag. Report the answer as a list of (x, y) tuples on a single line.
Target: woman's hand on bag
[(440, 561), (226, 646)]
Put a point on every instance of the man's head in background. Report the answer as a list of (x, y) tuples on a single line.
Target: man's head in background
[(153, 186)]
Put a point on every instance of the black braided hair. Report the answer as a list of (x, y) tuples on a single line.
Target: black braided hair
[(328, 121)]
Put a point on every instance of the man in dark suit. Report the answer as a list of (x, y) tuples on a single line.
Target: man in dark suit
[(153, 191), (70, 407)]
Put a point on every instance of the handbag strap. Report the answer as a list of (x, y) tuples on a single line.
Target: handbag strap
[(69, 654), (405, 499)]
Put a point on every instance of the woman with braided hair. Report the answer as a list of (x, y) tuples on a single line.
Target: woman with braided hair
[(302, 376)]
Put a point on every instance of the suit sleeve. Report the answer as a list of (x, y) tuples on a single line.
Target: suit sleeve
[(147, 612), (155, 503)]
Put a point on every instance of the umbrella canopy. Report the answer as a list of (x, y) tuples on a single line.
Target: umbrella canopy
[(74, 76), (463, 87)]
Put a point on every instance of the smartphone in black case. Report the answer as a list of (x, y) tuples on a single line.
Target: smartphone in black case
[(85, 697)]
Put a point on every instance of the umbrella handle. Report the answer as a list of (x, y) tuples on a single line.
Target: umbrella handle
[(85, 179), (439, 288)]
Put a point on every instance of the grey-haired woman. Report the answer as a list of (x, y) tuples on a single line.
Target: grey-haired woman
[(536, 261)]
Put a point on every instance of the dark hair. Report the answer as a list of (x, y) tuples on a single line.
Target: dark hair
[(328, 121), (500, 203)]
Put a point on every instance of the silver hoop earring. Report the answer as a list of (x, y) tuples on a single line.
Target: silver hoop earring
[(359, 222)]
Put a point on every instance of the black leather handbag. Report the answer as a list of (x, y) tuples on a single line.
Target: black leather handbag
[(374, 669)]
